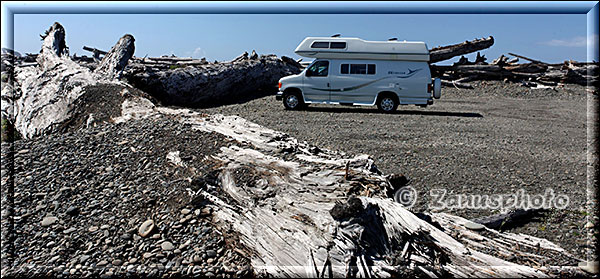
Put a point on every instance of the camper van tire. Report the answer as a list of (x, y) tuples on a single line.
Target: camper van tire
[(387, 102), (292, 100), (437, 88)]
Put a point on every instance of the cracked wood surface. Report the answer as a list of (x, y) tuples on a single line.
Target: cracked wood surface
[(280, 207)]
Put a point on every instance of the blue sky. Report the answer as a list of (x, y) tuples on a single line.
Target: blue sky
[(550, 38)]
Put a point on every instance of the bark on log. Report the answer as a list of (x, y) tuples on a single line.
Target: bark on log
[(446, 52)]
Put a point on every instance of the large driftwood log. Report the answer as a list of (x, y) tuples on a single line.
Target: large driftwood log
[(211, 83), (446, 52), (301, 211), (55, 96)]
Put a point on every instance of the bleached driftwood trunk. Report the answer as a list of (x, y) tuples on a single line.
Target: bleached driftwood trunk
[(278, 196), (48, 94)]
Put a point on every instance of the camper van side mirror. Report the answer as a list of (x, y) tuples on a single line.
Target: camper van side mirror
[(308, 73)]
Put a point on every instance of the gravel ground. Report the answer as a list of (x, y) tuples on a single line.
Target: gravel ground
[(495, 139), (81, 199)]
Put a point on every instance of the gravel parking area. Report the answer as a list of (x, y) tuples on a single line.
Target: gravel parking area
[(495, 139)]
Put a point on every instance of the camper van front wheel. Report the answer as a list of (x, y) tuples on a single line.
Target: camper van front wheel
[(292, 101), (387, 104)]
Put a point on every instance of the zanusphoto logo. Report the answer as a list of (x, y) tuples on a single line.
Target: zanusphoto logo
[(441, 200)]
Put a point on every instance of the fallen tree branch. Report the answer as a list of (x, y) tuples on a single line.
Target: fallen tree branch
[(528, 59)]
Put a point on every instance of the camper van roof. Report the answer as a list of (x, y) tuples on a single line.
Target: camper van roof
[(355, 48)]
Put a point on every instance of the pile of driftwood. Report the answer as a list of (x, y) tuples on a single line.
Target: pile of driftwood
[(535, 73)]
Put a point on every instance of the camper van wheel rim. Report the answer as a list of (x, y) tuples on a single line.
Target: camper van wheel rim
[(291, 101), (387, 104)]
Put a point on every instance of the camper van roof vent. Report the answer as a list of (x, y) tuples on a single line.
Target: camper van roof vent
[(336, 35), (392, 39)]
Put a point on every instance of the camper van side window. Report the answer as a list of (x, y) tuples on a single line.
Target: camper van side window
[(371, 69), (338, 45), (345, 68), (320, 45), (360, 69)]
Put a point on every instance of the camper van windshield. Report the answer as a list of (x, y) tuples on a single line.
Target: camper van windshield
[(318, 69)]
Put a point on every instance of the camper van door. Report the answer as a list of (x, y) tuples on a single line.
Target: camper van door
[(350, 80), (316, 82)]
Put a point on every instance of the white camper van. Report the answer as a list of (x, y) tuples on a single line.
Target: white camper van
[(351, 71)]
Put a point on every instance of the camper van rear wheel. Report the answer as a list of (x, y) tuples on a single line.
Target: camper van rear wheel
[(292, 101), (387, 104)]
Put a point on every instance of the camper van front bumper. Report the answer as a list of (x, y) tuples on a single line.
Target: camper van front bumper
[(279, 96)]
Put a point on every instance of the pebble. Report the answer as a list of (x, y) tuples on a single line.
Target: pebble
[(211, 253), (72, 210), (185, 244), (146, 228), (167, 246), (97, 226), (148, 255), (48, 221)]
